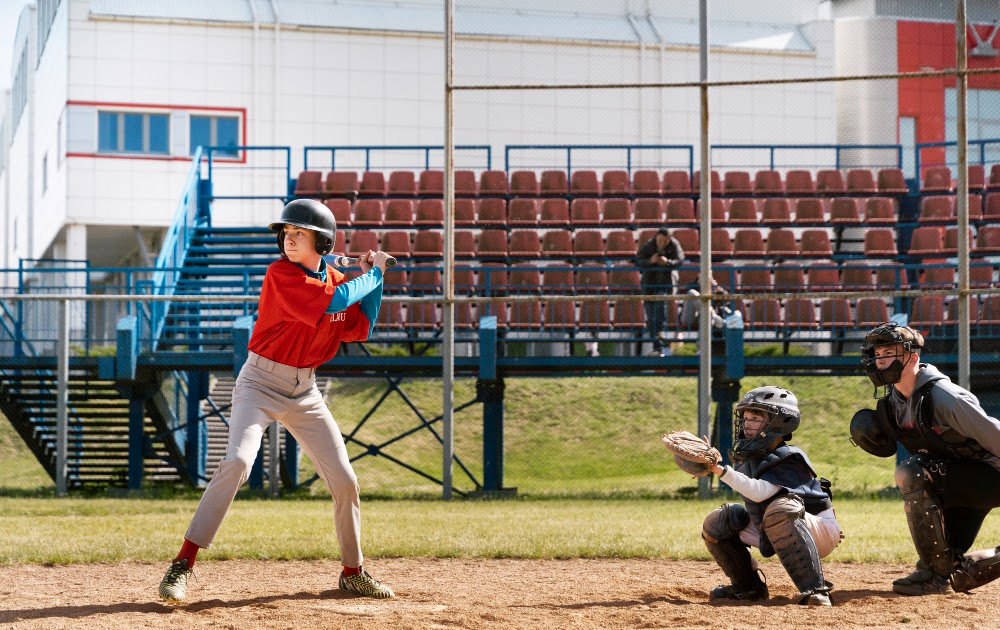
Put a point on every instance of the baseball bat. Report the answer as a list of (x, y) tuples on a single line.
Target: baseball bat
[(347, 261)]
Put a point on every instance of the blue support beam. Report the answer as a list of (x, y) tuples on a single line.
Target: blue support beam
[(490, 391), (136, 442), (196, 440)]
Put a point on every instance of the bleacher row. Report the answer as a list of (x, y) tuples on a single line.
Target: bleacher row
[(578, 235)]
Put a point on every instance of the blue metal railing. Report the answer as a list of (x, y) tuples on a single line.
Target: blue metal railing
[(837, 149), (952, 161), (226, 152), (686, 152), (418, 149)]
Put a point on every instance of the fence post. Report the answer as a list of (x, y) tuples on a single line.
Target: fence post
[(62, 403)]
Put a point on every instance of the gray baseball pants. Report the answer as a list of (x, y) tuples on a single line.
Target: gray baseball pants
[(266, 391)]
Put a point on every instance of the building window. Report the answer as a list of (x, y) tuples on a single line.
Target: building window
[(215, 131), (19, 91), (133, 132), (46, 15), (45, 173)]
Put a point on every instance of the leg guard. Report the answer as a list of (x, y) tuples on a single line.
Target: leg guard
[(924, 516), (721, 533), (976, 569), (785, 526)]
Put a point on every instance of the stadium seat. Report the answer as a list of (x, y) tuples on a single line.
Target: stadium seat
[(465, 212), (524, 279), (464, 279), (390, 317), (555, 213), (809, 211), (980, 274), (722, 247), (989, 310), (524, 184), (755, 279), (595, 316), (976, 178), (936, 179), (844, 211), (718, 210), (422, 316), (835, 313), (880, 242), (680, 210), (696, 183), (776, 210), (402, 184), (768, 183), (557, 244), (492, 244), (465, 244), (891, 276), (430, 183), (585, 212), (815, 243), (994, 182), (743, 211), (397, 282), (856, 277), (937, 276), (764, 314), (340, 241), (748, 242), (676, 183), (937, 209), (988, 240), (554, 183), (493, 183), (870, 312), (558, 278), (927, 311), (861, 181), (397, 243), (891, 181), (688, 238), (588, 244), (591, 279), (617, 213), (340, 209), (465, 184), (524, 244), (491, 212), (560, 316), (494, 309), (724, 273), (615, 184), (950, 246), (428, 244), (789, 278), (648, 211), (372, 184), (425, 279), (737, 183), (492, 278), (363, 240), (342, 184), (524, 316), (621, 244), (584, 182), (368, 212), (928, 240), (992, 212), (800, 314), (830, 182), (628, 316), (799, 182), (823, 277), (880, 210), (522, 211), (975, 207), (398, 212), (623, 279), (781, 243), (951, 311), (309, 184), (647, 183)]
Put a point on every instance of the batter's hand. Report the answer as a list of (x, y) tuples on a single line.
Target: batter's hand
[(379, 259)]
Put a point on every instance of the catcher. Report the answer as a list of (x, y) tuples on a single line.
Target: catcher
[(788, 509)]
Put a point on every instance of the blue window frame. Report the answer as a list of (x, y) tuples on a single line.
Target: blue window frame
[(133, 132), (217, 131)]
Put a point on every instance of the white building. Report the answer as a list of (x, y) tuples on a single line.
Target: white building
[(110, 97)]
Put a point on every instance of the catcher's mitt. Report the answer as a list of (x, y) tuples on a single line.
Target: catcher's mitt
[(693, 455)]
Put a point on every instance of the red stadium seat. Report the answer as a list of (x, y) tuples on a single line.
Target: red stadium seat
[(951, 241), (595, 316), (928, 240), (857, 277), (465, 244), (976, 178), (390, 317), (524, 279), (525, 316), (743, 211), (397, 243), (648, 211), (617, 213), (722, 247), (937, 209), (591, 279), (588, 244), (585, 212), (493, 183), (524, 244), (677, 183), (492, 279), (425, 279), (680, 210), (402, 184), (764, 314), (341, 210), (824, 277), (988, 240), (557, 243), (755, 279), (799, 182), (558, 278), (951, 312), (835, 313), (830, 182), (781, 243), (688, 238), (891, 181), (524, 184), (309, 184), (809, 211), (368, 212), (748, 242), (422, 316), (880, 210), (768, 183), (342, 183), (936, 179), (696, 183), (372, 184), (776, 210), (621, 243), (492, 244), (554, 183), (927, 311), (398, 212), (465, 212), (844, 211), (860, 180), (880, 242), (623, 279), (737, 183), (560, 315), (870, 312), (980, 274), (428, 244), (430, 183), (937, 277), (628, 316), (585, 182), (645, 182), (522, 212), (994, 182), (718, 210), (363, 240), (891, 276), (800, 314), (491, 212), (555, 213), (815, 243), (430, 212), (465, 184)]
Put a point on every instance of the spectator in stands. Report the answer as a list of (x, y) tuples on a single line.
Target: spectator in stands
[(692, 308), (658, 259), (951, 481)]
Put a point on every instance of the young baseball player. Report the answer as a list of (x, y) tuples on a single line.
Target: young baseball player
[(306, 310), (787, 509), (952, 480)]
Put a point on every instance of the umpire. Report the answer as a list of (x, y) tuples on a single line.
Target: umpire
[(952, 481), (658, 259)]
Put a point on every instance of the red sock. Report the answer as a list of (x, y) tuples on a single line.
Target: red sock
[(188, 552), (352, 570)]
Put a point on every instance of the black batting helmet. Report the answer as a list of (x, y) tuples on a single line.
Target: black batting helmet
[(311, 215)]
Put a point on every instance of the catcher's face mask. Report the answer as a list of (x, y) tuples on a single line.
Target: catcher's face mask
[(762, 419), (886, 350)]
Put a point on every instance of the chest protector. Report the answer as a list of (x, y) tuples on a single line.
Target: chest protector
[(923, 438), (788, 467)]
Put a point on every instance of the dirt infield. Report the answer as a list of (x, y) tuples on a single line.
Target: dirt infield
[(466, 593)]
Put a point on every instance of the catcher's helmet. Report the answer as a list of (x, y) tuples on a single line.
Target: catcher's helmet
[(889, 334), (781, 409), (309, 214)]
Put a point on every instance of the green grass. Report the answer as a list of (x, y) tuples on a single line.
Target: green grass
[(115, 530)]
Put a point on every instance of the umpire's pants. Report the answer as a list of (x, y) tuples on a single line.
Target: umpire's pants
[(266, 391)]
